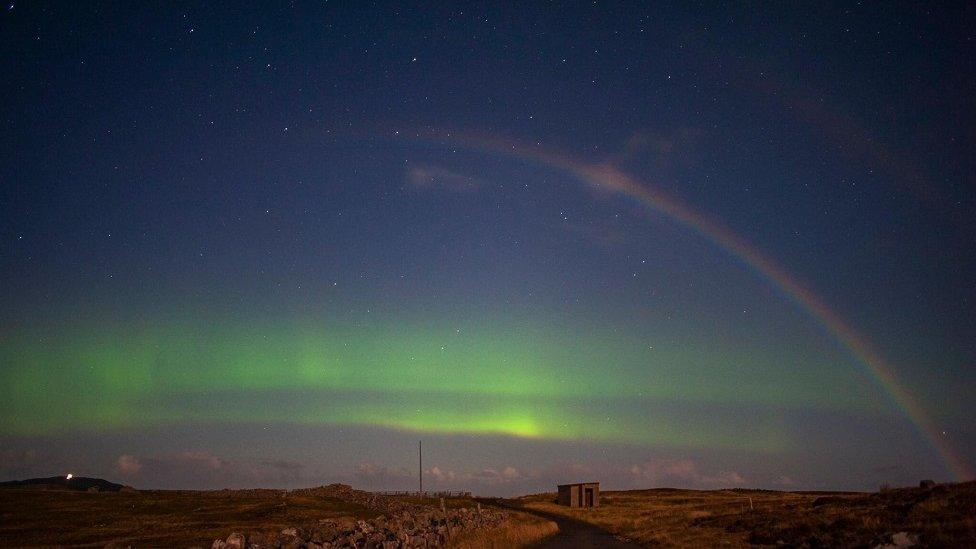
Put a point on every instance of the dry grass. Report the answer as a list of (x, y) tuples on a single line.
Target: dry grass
[(657, 516), (520, 530), (165, 518), (941, 516), (157, 517)]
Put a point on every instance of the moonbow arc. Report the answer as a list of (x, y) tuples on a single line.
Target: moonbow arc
[(608, 177)]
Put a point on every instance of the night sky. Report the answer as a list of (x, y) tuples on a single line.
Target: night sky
[(697, 245)]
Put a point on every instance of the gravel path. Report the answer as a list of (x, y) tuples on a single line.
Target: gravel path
[(572, 533)]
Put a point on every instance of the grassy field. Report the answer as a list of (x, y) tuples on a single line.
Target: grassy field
[(941, 516), (165, 518), (155, 517)]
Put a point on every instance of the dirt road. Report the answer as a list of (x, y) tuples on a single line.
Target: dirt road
[(572, 533)]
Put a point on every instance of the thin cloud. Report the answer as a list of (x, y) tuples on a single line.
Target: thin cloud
[(785, 480), (378, 477), (494, 476), (370, 475), (128, 465), (24, 463), (439, 178), (202, 469), (665, 150), (283, 464), (683, 473)]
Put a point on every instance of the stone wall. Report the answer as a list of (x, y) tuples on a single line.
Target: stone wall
[(402, 524)]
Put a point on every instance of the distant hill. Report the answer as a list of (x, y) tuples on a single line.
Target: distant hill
[(80, 484)]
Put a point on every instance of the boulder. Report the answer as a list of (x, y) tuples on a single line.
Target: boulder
[(899, 540), (234, 541)]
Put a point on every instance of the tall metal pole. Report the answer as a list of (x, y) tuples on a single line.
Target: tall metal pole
[(420, 465)]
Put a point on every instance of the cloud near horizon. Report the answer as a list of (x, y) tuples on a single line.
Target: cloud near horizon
[(205, 470), (683, 473), (374, 476), (128, 465), (651, 473)]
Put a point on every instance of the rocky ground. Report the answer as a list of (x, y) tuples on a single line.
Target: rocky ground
[(402, 524), (929, 515)]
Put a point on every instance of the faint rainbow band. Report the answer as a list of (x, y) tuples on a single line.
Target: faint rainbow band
[(608, 177)]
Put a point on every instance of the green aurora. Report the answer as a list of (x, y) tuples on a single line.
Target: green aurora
[(522, 381)]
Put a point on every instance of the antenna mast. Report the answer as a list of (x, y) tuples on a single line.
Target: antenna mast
[(420, 465)]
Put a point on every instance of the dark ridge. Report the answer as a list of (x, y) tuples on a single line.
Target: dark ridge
[(80, 484)]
